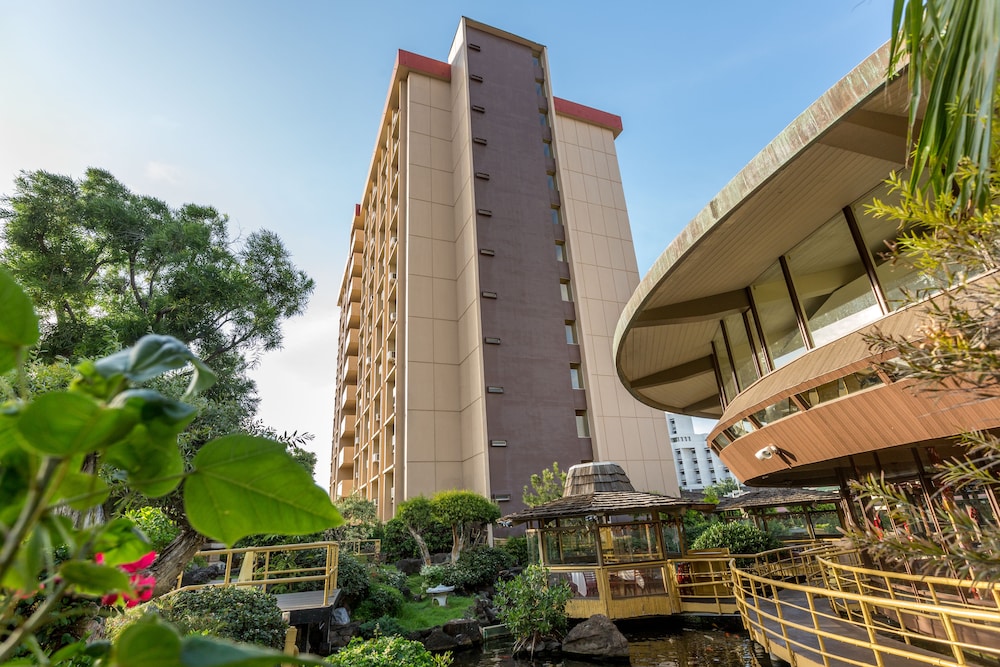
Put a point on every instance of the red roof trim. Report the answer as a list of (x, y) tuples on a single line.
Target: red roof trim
[(589, 114), (423, 64)]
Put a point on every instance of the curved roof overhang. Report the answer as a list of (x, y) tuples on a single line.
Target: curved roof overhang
[(841, 147)]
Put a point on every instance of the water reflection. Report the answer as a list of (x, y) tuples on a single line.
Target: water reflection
[(660, 643)]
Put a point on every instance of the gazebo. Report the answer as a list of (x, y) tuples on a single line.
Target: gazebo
[(790, 514), (613, 545)]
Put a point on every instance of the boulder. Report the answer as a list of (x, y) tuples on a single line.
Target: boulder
[(340, 616), (409, 566), (438, 641), (463, 627), (597, 637), (339, 636)]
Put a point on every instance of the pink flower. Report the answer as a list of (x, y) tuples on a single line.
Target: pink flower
[(141, 586)]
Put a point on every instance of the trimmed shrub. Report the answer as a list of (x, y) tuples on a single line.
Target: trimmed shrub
[(383, 626), (738, 537), (387, 652), (241, 614), (434, 574), (352, 579), (478, 568), (390, 576), (382, 600), (517, 547)]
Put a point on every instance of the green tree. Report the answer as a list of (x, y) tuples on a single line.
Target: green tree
[(417, 514), (715, 491), (105, 266), (235, 485), (466, 512), (545, 486), (360, 518)]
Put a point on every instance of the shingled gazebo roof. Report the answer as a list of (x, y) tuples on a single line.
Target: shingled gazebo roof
[(776, 497), (602, 489)]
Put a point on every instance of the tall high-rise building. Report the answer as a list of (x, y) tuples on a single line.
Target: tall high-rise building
[(490, 260), (698, 466)]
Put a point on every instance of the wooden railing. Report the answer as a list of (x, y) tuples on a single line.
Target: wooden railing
[(833, 611), (259, 566)]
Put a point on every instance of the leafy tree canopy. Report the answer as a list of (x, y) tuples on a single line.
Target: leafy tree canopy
[(545, 486)]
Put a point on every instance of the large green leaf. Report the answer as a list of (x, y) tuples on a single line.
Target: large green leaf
[(94, 579), (211, 652), (18, 322), (154, 465), (63, 424), (121, 542), (28, 564), (242, 485), (148, 643), (154, 355), (81, 490), (153, 643)]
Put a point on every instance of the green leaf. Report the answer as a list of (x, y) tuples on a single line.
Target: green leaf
[(28, 564), (93, 579), (121, 542), (154, 465), (63, 424), (199, 651), (17, 467), (148, 643), (152, 356), (242, 485), (19, 324), (83, 490)]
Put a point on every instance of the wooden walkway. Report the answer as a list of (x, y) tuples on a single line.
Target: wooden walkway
[(306, 600), (809, 646)]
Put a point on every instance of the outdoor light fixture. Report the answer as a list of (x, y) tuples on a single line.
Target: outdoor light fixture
[(591, 517), (766, 453)]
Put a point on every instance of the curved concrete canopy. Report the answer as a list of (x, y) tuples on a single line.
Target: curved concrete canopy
[(843, 145)]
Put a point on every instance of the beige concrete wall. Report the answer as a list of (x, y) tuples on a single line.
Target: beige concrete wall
[(472, 439), (432, 458), (604, 275)]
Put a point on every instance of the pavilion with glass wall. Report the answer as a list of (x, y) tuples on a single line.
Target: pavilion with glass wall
[(759, 314)]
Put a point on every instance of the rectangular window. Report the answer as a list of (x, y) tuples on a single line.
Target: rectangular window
[(729, 387), (777, 316), (576, 376), (556, 218), (739, 347), (560, 252), (543, 119), (571, 332), (565, 291), (582, 425), (551, 181), (547, 149)]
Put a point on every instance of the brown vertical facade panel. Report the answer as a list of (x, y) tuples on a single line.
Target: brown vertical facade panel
[(536, 414)]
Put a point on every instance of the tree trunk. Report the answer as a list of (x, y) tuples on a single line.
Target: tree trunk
[(424, 552), (456, 543), (171, 562)]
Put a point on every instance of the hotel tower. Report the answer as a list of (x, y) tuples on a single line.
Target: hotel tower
[(490, 259)]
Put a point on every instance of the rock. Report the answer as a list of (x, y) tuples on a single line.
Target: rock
[(437, 640), (596, 637), (462, 627), (340, 636), (409, 566), (340, 616), (203, 575)]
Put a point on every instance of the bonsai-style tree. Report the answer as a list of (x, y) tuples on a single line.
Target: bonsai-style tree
[(466, 512), (417, 514), (545, 486)]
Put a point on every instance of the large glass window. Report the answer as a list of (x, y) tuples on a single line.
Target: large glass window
[(725, 368), (773, 413), (777, 316), (739, 346), (842, 386), (879, 235), (831, 282)]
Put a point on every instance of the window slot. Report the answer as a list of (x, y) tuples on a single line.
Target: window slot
[(476, 77), (489, 295), (474, 47), (493, 389), (482, 175), (498, 443), (491, 340), (489, 252), (479, 107), (479, 140), (484, 211)]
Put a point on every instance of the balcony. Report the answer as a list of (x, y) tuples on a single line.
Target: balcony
[(345, 457), (350, 370), (347, 427), (345, 488), (348, 397)]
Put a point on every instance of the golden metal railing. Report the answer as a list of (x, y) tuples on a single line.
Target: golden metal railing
[(255, 566), (369, 550), (847, 614)]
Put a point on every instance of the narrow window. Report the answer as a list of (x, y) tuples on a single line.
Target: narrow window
[(566, 291), (571, 332), (582, 425), (560, 252), (576, 376)]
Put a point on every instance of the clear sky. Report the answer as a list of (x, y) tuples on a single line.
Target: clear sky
[(268, 111)]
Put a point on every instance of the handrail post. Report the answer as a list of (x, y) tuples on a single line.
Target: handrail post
[(949, 628), (872, 636)]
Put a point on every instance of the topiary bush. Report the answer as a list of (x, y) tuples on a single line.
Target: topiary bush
[(738, 537), (478, 568), (240, 614), (517, 547), (387, 652), (352, 579), (390, 576), (382, 600), (397, 542), (434, 575)]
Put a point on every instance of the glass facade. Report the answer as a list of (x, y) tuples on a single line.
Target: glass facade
[(831, 283), (725, 368), (777, 317), (740, 349)]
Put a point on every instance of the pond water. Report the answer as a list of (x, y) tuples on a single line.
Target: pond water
[(654, 643)]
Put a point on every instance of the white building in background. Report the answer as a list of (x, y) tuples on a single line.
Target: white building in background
[(697, 465)]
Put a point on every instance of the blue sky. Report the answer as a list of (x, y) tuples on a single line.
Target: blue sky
[(268, 110)]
